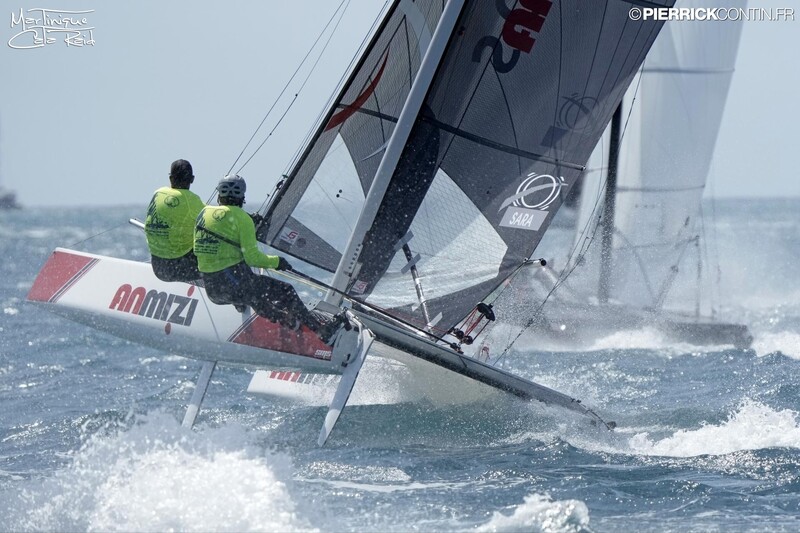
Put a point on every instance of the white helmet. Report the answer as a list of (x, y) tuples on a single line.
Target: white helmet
[(232, 186)]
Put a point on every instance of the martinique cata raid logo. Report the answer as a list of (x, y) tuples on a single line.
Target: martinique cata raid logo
[(528, 208)]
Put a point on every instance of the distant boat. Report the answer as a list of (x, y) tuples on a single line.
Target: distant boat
[(8, 199), (655, 175)]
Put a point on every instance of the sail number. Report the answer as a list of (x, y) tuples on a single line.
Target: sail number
[(518, 32)]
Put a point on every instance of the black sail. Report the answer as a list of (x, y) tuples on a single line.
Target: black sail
[(519, 100), (521, 97)]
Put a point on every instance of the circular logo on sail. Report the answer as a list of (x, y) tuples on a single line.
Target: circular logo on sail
[(528, 208), (538, 191), (577, 113)]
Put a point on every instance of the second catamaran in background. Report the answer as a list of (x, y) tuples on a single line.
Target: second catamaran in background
[(649, 211)]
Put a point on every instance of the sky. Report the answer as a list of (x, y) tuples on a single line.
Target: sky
[(100, 124)]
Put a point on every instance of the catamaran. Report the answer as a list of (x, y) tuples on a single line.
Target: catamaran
[(428, 182), (644, 189)]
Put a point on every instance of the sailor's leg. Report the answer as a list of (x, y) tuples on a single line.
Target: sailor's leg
[(284, 296), (199, 392), (278, 302), (259, 297), (186, 268), (179, 269)]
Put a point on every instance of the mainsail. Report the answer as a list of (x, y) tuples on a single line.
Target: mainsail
[(666, 154), (519, 99)]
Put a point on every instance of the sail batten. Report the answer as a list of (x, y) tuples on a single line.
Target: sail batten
[(511, 149)]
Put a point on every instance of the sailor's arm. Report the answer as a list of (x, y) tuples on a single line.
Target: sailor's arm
[(247, 240)]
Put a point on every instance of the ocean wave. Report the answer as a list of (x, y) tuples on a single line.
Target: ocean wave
[(649, 338), (785, 342), (158, 476), (753, 426), (540, 513)]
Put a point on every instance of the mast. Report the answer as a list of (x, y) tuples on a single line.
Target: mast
[(394, 149), (699, 276), (608, 209)]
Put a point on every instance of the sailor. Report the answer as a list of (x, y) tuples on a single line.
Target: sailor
[(226, 248), (169, 226)]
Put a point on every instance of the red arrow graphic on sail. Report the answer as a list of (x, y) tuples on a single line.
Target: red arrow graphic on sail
[(349, 110)]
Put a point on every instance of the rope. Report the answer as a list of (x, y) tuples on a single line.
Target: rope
[(305, 58), (98, 234)]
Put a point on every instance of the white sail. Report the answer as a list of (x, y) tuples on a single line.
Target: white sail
[(671, 119), (667, 153)]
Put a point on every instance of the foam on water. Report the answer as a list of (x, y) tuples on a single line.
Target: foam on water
[(629, 339), (647, 338), (539, 513), (157, 476), (753, 426), (785, 342)]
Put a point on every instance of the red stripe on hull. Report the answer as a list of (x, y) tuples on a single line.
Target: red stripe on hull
[(61, 270), (261, 333)]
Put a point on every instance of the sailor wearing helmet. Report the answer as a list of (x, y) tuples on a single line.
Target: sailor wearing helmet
[(226, 247)]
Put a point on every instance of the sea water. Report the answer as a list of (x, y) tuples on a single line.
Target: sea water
[(708, 438)]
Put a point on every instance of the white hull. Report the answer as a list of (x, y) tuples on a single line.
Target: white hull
[(125, 298), (111, 295)]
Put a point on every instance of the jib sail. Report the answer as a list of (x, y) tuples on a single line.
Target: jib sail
[(326, 189)]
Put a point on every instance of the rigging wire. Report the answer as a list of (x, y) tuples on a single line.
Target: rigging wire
[(75, 244), (285, 176), (570, 266), (318, 120), (337, 90), (305, 58), (310, 72)]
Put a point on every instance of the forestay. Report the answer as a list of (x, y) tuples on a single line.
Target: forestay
[(518, 102)]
